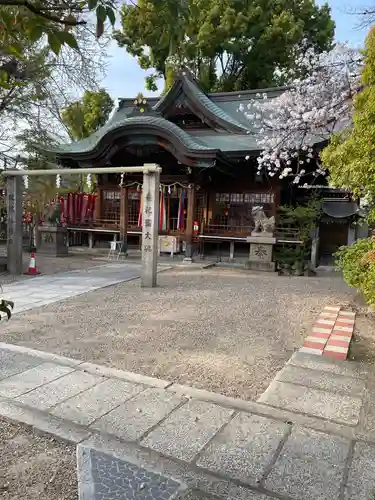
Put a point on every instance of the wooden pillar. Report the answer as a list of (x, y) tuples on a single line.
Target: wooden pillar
[(91, 240), (14, 211), (207, 209), (168, 212), (190, 224), (231, 251), (98, 204), (315, 248), (124, 217)]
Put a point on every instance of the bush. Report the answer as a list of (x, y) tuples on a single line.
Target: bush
[(357, 263), (293, 258)]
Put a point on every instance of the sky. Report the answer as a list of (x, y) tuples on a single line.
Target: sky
[(126, 79)]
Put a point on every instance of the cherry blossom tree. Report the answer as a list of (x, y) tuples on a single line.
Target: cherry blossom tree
[(291, 128)]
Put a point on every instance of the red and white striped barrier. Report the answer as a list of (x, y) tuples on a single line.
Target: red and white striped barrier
[(331, 334)]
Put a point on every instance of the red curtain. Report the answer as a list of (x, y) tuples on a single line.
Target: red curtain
[(78, 208)]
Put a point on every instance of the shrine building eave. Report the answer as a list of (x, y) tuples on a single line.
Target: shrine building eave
[(208, 111), (140, 130)]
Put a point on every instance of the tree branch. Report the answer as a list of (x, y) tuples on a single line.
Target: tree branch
[(41, 12)]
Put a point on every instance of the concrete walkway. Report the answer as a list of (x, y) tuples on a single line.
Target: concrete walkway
[(310, 437), (31, 292)]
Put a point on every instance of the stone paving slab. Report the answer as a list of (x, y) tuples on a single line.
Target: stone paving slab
[(220, 448), (321, 380), (361, 480), (328, 405), (44, 290), (52, 393), (31, 379), (238, 493), (136, 378), (133, 419), (215, 487), (245, 447), (44, 422), (201, 421), (41, 356), (310, 466), (92, 404), (13, 363), (368, 413)]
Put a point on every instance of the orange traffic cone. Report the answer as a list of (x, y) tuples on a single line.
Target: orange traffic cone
[(32, 265)]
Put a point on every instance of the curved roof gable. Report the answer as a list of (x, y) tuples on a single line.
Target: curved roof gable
[(202, 105), (187, 148)]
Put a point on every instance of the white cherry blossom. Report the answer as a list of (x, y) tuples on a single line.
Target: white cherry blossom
[(292, 128)]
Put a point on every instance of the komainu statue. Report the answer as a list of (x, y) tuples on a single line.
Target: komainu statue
[(264, 226)]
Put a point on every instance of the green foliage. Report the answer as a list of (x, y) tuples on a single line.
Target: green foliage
[(299, 221), (6, 307), (54, 19), (304, 218), (55, 214), (357, 263), (83, 118), (228, 44), (350, 155)]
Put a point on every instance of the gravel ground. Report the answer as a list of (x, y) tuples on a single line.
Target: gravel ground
[(35, 467), (223, 330)]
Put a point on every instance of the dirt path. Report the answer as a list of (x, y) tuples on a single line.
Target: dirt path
[(35, 467)]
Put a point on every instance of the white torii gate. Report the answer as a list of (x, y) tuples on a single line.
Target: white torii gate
[(150, 213)]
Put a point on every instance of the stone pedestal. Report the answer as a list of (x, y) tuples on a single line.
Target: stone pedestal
[(53, 241), (261, 252)]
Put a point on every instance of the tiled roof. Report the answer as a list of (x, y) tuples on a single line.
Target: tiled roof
[(240, 133), (196, 92), (120, 120)]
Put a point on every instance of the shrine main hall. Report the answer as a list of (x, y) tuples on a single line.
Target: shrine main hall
[(207, 149)]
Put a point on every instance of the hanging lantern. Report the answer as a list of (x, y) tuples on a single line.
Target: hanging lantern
[(58, 180)]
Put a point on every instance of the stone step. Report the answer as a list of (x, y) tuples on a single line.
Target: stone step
[(313, 402), (319, 387), (330, 365), (323, 380)]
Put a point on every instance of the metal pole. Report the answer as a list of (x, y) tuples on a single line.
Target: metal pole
[(74, 171)]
